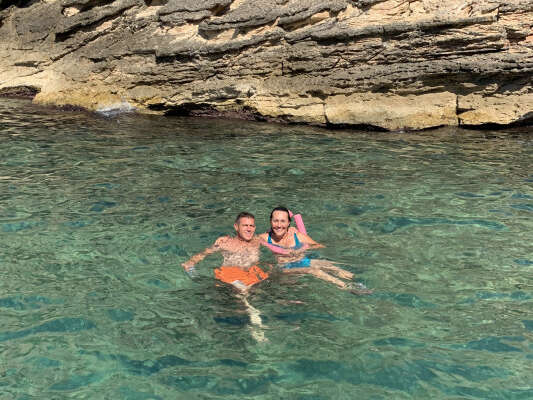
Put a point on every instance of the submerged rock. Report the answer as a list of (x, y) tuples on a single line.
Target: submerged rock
[(387, 64)]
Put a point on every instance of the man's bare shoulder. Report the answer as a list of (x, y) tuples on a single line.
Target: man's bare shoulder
[(263, 236), (256, 241), (222, 241)]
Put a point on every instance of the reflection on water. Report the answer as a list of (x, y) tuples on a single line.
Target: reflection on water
[(96, 215)]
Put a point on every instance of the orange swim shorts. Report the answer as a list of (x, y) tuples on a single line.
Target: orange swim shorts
[(248, 277)]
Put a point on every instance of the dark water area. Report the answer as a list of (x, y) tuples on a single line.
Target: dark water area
[(98, 212)]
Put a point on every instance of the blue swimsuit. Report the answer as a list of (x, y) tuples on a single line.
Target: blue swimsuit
[(303, 263)]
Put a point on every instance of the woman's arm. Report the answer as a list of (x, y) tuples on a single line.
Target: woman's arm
[(306, 239)]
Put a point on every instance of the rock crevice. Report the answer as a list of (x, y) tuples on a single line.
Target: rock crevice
[(387, 64)]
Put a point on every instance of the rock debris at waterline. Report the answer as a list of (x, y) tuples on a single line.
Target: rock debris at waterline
[(387, 64)]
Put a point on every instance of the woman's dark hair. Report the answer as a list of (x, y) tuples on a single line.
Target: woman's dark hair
[(281, 209)]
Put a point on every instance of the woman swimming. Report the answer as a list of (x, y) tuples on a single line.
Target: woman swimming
[(294, 261)]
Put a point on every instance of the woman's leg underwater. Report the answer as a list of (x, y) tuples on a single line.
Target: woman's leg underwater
[(331, 267), (317, 272), (353, 287)]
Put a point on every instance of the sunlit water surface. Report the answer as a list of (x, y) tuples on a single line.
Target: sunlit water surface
[(97, 213)]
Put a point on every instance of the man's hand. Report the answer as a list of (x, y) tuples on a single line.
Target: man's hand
[(298, 252), (187, 265), (295, 254)]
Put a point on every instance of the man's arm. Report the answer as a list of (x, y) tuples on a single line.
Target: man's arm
[(263, 237), (191, 262)]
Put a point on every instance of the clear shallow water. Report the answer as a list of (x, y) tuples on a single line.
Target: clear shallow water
[(96, 215)]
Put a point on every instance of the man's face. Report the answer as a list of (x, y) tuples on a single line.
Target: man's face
[(245, 228), (279, 223)]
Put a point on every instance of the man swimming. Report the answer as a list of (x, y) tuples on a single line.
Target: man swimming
[(239, 266), (241, 255)]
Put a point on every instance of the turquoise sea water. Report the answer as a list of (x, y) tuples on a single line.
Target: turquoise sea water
[(97, 213)]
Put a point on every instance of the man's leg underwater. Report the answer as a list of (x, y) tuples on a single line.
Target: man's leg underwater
[(255, 317)]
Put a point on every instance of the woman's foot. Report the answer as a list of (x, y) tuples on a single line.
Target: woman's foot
[(357, 288), (341, 273)]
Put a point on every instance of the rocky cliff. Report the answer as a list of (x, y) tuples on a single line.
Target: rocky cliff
[(388, 64)]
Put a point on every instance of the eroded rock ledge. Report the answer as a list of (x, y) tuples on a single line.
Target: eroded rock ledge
[(389, 64)]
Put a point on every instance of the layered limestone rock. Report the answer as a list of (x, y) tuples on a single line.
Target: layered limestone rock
[(388, 64)]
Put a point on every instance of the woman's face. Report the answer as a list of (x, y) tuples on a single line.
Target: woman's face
[(279, 223)]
